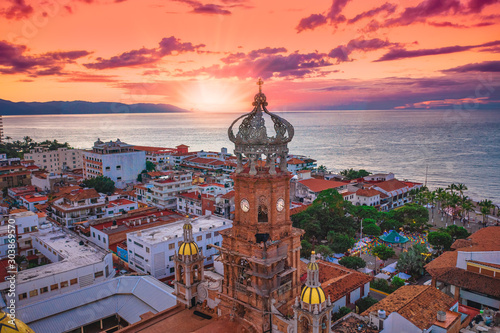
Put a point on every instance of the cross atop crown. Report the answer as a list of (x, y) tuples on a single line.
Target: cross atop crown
[(260, 83)]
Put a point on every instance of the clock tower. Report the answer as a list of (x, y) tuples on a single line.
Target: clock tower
[(261, 252)]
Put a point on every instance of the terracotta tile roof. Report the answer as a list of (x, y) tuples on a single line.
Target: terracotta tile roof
[(35, 198), (82, 194), (337, 280), (418, 304), (392, 185), (318, 185), (442, 263), (195, 195), (367, 192), (472, 281), (351, 323), (485, 239), (295, 161), (228, 195)]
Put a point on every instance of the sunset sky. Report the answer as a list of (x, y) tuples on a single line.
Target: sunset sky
[(207, 55)]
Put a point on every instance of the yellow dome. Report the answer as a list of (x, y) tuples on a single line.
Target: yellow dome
[(187, 226), (18, 327), (313, 266), (187, 249), (312, 295)]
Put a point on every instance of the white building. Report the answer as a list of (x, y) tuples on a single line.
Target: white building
[(379, 177), (164, 191), (307, 190), (31, 200), (116, 160), (119, 206), (56, 161), (152, 250), (73, 265), (107, 306), (196, 203), (4, 239), (77, 206), (362, 197), (27, 224)]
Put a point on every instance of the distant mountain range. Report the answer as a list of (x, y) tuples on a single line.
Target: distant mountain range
[(80, 107)]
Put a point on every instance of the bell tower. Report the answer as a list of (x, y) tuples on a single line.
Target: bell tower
[(261, 252), (188, 268)]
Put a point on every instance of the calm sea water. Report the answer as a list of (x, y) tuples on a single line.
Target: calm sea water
[(456, 146)]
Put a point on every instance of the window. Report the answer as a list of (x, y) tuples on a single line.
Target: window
[(199, 238), (179, 243), (34, 293), (147, 249), (139, 256), (118, 167), (108, 168), (93, 234), (98, 274), (216, 233), (104, 240), (172, 269), (23, 296), (26, 230), (170, 258), (171, 246), (209, 235), (73, 281), (99, 237), (33, 228), (64, 284), (139, 245), (118, 178), (216, 244), (44, 290), (54, 287)]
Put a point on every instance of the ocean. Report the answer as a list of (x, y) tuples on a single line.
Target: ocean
[(456, 146)]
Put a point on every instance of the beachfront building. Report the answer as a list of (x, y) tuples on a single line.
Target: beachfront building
[(306, 190), (471, 272), (379, 177), (152, 251), (78, 205), (396, 193), (164, 191), (417, 309), (362, 197), (71, 264), (56, 161), (116, 160)]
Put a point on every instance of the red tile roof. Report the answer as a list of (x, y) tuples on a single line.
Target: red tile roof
[(195, 195), (83, 194), (295, 161), (35, 198), (228, 195), (418, 304), (367, 192), (391, 185), (337, 280), (318, 185)]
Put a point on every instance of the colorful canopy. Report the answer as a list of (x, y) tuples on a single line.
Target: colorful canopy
[(394, 237)]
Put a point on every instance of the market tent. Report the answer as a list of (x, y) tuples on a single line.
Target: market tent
[(394, 238), (365, 270), (403, 276), (390, 268), (382, 276)]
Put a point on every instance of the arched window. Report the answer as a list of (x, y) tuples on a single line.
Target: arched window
[(262, 213), (196, 273)]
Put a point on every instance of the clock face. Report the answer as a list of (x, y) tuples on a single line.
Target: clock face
[(245, 205), (280, 204)]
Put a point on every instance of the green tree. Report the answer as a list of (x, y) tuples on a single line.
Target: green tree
[(486, 206), (383, 252), (306, 248), (397, 282), (340, 243), (352, 262), (353, 174), (372, 230), (390, 225), (101, 184), (341, 313), (324, 250), (364, 303), (413, 217), (440, 240), (456, 232), (150, 166), (412, 262)]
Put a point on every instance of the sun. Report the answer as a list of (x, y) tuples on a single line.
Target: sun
[(216, 95)]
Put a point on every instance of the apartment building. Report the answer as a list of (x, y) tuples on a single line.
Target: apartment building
[(152, 251), (164, 191), (196, 203), (27, 224), (56, 161), (77, 206), (116, 160)]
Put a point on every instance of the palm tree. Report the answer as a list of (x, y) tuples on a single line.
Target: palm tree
[(431, 199), (486, 206), (461, 188), (451, 188), (440, 196), (454, 201), (467, 206)]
